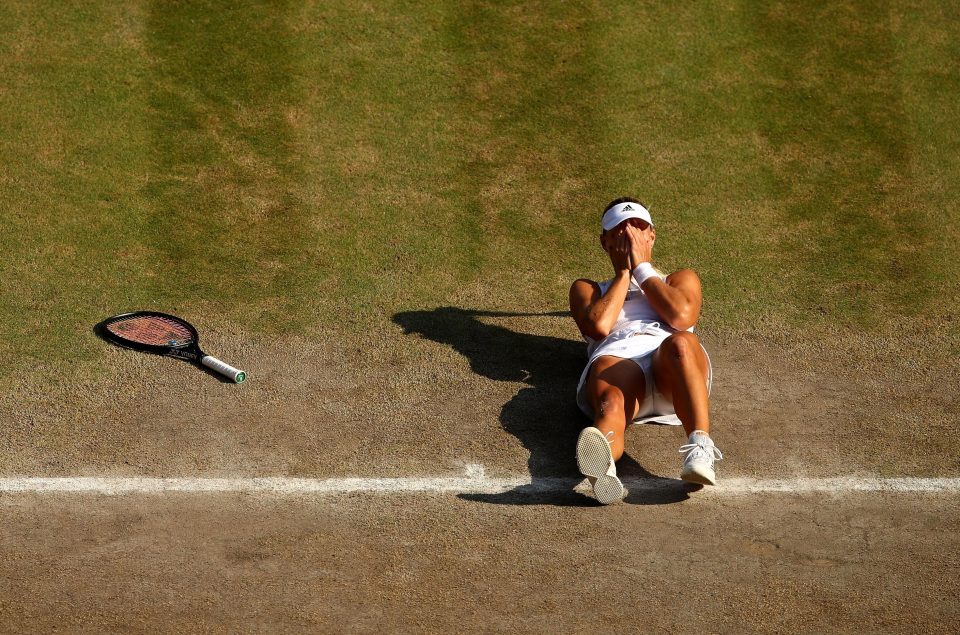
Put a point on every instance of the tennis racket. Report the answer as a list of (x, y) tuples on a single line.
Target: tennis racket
[(162, 334)]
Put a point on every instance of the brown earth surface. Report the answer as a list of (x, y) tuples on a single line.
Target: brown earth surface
[(440, 564), (432, 391), (428, 394)]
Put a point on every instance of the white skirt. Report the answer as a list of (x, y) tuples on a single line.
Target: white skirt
[(639, 348)]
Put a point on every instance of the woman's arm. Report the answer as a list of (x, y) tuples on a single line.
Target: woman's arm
[(596, 313), (678, 300)]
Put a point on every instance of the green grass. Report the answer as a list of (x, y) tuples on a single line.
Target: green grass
[(303, 168)]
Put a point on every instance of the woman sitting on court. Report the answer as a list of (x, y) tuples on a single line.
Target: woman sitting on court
[(645, 364)]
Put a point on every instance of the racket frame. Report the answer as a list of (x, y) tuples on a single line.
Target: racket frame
[(190, 351)]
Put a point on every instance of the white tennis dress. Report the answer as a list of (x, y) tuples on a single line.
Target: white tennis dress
[(636, 335)]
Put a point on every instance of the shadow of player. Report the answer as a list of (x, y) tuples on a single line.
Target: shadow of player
[(543, 415)]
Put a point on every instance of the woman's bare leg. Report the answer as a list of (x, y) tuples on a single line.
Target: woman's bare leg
[(615, 387), (680, 372)]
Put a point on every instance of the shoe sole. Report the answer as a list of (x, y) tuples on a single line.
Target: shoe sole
[(608, 490), (700, 478), (593, 453), (594, 461)]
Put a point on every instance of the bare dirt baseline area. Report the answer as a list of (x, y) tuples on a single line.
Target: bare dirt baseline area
[(876, 562), (435, 391), (839, 513)]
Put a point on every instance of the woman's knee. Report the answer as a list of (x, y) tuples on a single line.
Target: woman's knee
[(682, 347), (610, 400)]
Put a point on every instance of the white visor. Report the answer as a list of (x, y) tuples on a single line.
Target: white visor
[(619, 213)]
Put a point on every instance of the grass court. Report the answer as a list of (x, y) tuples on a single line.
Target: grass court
[(376, 209)]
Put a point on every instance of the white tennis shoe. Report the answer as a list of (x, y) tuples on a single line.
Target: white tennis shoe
[(595, 461), (698, 463)]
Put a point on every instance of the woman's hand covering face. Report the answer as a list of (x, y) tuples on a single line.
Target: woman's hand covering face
[(618, 248), (641, 244)]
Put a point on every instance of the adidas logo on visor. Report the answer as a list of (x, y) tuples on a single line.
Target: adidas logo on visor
[(628, 208)]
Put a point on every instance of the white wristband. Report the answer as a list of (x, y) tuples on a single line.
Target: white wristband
[(643, 272)]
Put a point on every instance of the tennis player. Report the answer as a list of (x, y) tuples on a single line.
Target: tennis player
[(644, 365)]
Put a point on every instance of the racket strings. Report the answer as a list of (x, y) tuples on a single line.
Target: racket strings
[(152, 330)]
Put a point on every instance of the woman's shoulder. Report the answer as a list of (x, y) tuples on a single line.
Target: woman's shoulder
[(601, 285), (587, 286), (683, 275)]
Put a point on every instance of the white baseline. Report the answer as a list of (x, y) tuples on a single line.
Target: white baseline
[(474, 481)]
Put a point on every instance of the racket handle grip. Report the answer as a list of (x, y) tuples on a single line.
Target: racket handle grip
[(223, 368)]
